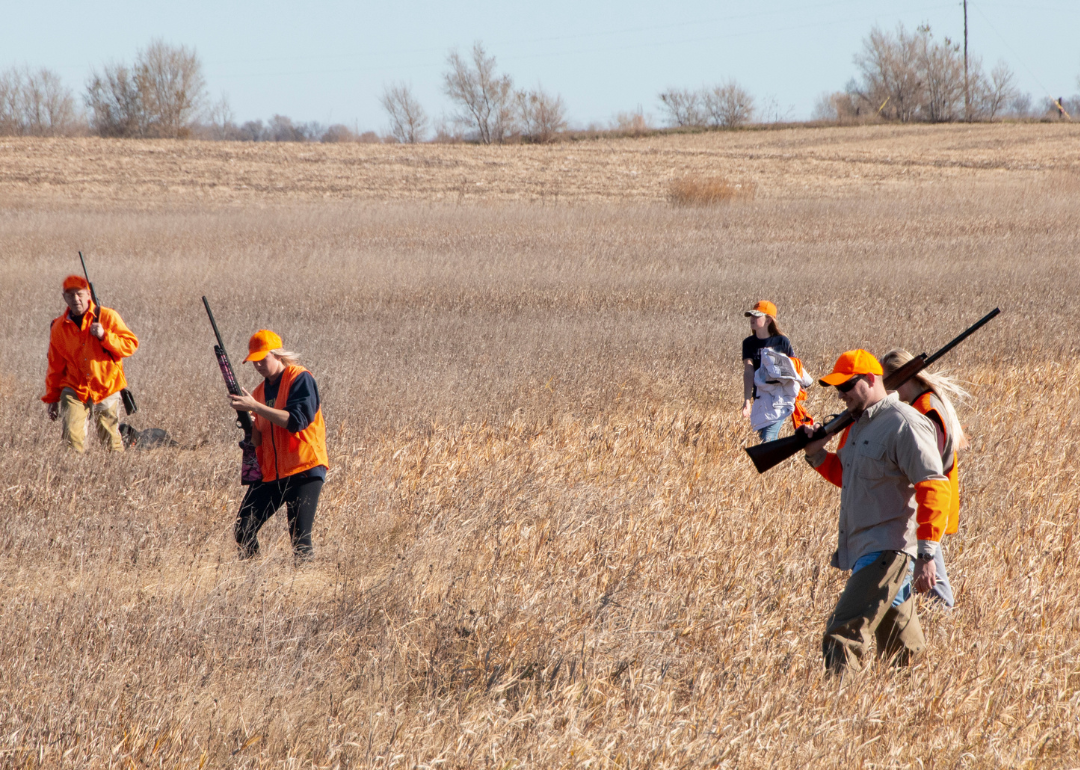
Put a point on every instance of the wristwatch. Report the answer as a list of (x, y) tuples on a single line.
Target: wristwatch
[(925, 557)]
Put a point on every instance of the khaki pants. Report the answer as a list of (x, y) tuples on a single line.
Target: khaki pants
[(865, 609), (76, 417)]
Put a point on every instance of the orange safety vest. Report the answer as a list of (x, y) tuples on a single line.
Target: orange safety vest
[(282, 453), (80, 361), (800, 416), (923, 405)]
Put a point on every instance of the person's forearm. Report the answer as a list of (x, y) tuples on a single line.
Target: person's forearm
[(278, 417), (748, 383)]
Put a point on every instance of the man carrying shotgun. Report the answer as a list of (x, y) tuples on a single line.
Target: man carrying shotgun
[(894, 507), (85, 376)]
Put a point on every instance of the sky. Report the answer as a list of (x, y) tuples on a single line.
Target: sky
[(329, 60)]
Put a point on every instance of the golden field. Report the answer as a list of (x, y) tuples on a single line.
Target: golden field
[(540, 543)]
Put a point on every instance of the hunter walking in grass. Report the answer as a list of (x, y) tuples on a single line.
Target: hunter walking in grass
[(932, 394), (772, 376), (86, 372), (894, 507), (290, 443)]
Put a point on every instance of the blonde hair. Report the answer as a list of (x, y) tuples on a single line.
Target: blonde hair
[(286, 357), (943, 386)]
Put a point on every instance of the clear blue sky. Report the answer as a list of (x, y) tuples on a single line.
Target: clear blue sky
[(328, 60)]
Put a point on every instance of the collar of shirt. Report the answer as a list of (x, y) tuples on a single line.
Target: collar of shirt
[(873, 411)]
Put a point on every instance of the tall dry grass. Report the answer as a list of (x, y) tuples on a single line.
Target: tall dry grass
[(697, 190), (540, 543)]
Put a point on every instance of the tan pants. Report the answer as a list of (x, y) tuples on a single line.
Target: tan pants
[(76, 417), (865, 609)]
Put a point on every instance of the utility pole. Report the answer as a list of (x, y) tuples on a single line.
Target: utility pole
[(967, 89)]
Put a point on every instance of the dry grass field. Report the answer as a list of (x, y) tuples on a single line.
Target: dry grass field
[(540, 543)]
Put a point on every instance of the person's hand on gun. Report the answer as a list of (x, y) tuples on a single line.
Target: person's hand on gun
[(814, 446), (97, 330), (244, 402)]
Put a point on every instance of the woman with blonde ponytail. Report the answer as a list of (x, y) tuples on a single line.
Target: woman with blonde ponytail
[(933, 396), (290, 442)]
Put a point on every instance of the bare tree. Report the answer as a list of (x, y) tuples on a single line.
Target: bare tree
[(1020, 105), (996, 93), (49, 107), (542, 115), (221, 120), (634, 122), (408, 121), (160, 95), (116, 108), (35, 103), (484, 98), (683, 106), (728, 105), (171, 87), (10, 102), (891, 85), (941, 69), (839, 106)]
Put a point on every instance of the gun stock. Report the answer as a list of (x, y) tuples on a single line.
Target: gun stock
[(772, 453)]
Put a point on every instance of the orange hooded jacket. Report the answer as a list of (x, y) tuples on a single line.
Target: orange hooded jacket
[(80, 361), (280, 452)]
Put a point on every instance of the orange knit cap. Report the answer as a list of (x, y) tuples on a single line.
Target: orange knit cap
[(75, 282), (848, 365), (261, 343)]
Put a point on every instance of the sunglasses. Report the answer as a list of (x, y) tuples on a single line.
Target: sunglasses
[(845, 387)]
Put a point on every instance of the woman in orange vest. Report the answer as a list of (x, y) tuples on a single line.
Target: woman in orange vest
[(290, 442), (932, 395)]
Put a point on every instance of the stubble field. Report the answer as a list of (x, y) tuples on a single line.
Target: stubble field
[(540, 543)]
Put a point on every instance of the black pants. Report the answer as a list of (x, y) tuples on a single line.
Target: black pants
[(263, 498)]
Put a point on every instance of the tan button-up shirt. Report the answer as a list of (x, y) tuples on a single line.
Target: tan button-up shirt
[(889, 449)]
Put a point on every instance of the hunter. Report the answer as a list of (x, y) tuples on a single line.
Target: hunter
[(894, 507), (87, 345)]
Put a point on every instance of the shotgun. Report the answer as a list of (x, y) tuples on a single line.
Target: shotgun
[(130, 407), (772, 453), (249, 463)]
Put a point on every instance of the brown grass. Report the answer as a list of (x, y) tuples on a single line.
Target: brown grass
[(789, 164), (708, 191), (540, 543)]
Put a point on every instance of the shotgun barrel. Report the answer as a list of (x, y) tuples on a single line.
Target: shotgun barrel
[(772, 453)]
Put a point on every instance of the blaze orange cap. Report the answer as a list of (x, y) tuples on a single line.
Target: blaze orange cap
[(762, 308), (850, 364), (75, 282), (261, 343)]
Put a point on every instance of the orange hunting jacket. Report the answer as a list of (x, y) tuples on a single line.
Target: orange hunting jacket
[(80, 361), (280, 452)]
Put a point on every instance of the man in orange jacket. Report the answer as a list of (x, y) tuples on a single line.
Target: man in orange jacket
[(894, 507), (86, 375)]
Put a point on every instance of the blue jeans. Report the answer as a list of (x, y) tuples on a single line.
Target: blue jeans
[(942, 589), (771, 432), (905, 590)]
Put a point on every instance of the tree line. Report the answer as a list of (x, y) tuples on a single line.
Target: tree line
[(901, 76), (910, 76)]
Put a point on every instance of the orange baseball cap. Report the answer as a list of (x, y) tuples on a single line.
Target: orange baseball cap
[(762, 308), (75, 282), (848, 365), (261, 343)]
